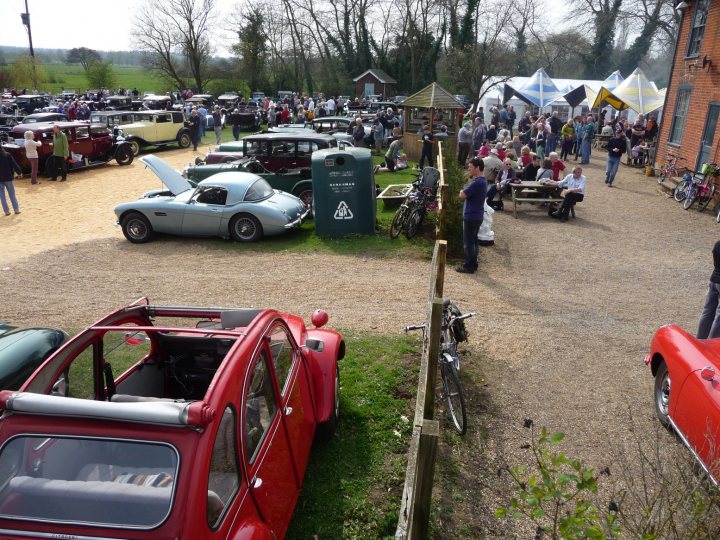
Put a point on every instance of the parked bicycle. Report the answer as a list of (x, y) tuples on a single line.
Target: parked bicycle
[(452, 331), (671, 169), (423, 197), (702, 187)]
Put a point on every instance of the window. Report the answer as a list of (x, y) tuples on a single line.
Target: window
[(282, 352), (680, 114), (80, 378), (259, 190), (260, 406), (254, 148), (698, 27), (213, 195), (223, 480), (306, 147)]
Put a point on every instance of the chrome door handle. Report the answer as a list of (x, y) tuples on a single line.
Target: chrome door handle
[(288, 410), (257, 482)]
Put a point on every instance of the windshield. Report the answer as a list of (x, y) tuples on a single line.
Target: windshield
[(259, 190), (109, 482)]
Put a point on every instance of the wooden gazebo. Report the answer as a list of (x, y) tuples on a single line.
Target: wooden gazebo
[(435, 106)]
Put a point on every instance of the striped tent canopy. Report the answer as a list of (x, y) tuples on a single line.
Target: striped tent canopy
[(578, 95), (613, 80), (637, 93), (539, 90), (606, 96), (433, 96)]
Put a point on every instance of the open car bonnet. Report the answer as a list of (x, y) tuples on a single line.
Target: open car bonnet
[(167, 175)]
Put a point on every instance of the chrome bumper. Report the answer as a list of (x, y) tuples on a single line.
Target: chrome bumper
[(300, 220)]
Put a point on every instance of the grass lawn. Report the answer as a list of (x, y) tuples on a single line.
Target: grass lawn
[(353, 484)]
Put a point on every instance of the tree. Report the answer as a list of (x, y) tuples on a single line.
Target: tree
[(175, 38), (27, 73), (100, 75), (83, 56), (605, 15), (251, 48), (657, 19)]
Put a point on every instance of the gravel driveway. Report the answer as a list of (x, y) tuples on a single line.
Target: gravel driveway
[(566, 311)]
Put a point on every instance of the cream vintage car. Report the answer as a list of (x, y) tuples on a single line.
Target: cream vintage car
[(156, 128)]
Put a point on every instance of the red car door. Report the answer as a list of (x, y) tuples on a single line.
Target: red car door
[(267, 455), (295, 397), (697, 416)]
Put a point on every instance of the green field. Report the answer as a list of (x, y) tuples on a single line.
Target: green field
[(72, 77)]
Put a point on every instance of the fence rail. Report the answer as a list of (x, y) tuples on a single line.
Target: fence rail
[(417, 494)]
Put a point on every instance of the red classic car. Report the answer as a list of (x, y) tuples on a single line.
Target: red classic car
[(90, 145), (204, 433), (687, 396)]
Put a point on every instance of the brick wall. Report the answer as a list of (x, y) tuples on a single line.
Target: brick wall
[(704, 85)]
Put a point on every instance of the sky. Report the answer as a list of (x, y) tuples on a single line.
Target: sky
[(104, 25)]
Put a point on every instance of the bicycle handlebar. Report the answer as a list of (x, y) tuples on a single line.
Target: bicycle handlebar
[(464, 316), (415, 327)]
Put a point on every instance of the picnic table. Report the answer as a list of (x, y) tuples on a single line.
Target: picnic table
[(533, 192)]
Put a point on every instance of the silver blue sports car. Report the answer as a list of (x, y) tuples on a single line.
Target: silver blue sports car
[(236, 205)]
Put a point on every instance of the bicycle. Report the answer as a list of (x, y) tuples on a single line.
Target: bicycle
[(671, 169), (452, 331), (702, 187), (414, 208)]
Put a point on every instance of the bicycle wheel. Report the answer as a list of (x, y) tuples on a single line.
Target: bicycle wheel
[(703, 204), (690, 198), (453, 394), (398, 221), (681, 191), (414, 220)]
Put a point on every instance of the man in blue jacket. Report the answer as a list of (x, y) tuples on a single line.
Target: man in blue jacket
[(616, 147)]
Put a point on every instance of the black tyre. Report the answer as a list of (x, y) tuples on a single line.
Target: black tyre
[(680, 191), (662, 395), (245, 228), (703, 204), (414, 221), (136, 228), (662, 177), (326, 430), (454, 395), (398, 222), (184, 140), (135, 147), (305, 194), (124, 155), (690, 199), (717, 216)]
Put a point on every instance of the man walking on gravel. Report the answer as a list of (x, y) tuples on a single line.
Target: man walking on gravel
[(709, 325), (61, 152), (473, 194)]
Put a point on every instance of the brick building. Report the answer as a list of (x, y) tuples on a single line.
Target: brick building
[(692, 104)]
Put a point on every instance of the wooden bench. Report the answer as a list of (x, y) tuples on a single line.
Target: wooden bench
[(540, 193)]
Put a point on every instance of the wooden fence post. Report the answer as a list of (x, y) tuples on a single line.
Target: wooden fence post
[(422, 499)]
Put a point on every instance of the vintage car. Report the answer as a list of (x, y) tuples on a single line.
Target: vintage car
[(152, 102), (169, 423), (118, 103), (22, 350), (90, 145), (228, 100), (156, 128), (686, 391), (275, 151), (7, 122), (112, 118), (40, 117), (295, 181), (27, 104), (237, 205), (200, 99)]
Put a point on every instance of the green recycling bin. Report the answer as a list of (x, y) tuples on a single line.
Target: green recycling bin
[(343, 186)]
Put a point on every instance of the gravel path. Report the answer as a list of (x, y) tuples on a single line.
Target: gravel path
[(566, 311)]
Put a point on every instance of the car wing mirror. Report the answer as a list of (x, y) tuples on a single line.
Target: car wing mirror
[(59, 388)]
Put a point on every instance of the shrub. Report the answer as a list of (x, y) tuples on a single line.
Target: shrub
[(455, 178)]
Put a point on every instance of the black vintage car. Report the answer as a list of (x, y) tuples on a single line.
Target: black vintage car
[(22, 350), (118, 103), (7, 122), (27, 103)]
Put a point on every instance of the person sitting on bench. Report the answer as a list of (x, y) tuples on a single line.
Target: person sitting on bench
[(502, 181), (573, 191)]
